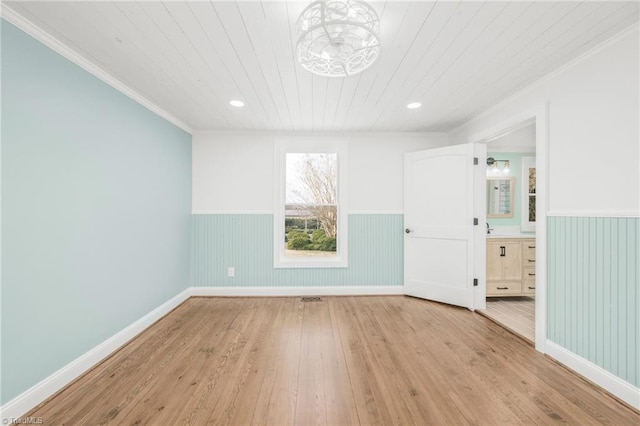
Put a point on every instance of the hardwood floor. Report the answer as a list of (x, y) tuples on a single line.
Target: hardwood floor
[(339, 361), (516, 313)]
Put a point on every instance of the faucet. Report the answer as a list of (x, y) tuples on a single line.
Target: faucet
[(489, 229)]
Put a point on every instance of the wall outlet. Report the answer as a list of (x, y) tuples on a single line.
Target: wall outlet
[(231, 271)]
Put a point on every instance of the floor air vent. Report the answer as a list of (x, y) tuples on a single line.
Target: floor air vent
[(311, 299)]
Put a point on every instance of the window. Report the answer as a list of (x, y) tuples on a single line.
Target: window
[(310, 217), (529, 194)]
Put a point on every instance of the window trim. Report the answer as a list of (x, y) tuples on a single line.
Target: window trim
[(526, 225), (305, 146)]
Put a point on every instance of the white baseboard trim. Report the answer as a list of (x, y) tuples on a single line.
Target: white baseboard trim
[(298, 291), (598, 375), (30, 398)]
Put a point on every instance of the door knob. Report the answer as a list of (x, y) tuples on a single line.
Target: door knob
[(408, 231)]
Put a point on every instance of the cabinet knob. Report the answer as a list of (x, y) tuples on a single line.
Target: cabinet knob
[(503, 288), (408, 231)]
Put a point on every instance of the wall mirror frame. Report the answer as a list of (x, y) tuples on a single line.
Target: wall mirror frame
[(500, 196)]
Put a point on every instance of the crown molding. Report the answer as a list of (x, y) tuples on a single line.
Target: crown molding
[(59, 47)]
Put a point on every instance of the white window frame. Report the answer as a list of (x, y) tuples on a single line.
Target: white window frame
[(526, 225), (280, 260)]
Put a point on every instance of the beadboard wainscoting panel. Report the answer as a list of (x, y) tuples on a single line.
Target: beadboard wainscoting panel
[(245, 242), (593, 291)]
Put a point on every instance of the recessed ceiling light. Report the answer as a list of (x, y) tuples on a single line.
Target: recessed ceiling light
[(236, 103), (414, 105)]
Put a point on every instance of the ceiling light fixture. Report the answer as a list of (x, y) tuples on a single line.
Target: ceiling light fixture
[(414, 105), (236, 103), (337, 38)]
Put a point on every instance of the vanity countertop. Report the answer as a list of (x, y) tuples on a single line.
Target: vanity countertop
[(518, 235)]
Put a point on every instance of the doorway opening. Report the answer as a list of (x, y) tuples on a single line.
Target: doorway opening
[(511, 240)]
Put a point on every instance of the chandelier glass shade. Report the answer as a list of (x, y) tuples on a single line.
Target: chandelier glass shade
[(337, 38)]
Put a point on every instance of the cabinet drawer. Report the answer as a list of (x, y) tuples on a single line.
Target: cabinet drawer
[(529, 281), (503, 288), (528, 251)]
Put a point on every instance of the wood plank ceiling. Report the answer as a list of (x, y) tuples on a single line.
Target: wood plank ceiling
[(456, 58)]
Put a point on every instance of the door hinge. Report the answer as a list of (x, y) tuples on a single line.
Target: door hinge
[(475, 221), (475, 161), (475, 282)]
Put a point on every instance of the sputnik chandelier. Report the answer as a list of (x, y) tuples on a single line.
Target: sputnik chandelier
[(337, 38)]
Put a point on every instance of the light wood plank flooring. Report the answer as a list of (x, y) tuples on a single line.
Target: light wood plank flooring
[(516, 313), (340, 361)]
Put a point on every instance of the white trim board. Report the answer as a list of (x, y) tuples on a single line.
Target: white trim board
[(342, 136), (519, 150), (594, 213), (38, 393), (371, 290), (59, 47), (238, 212), (598, 375), (354, 212)]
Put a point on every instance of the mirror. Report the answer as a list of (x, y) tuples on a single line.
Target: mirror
[(500, 197)]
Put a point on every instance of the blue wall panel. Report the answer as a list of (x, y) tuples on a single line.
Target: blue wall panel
[(594, 291), (96, 210), (245, 241)]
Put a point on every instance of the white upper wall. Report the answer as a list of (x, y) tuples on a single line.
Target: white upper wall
[(520, 140), (234, 172), (594, 140)]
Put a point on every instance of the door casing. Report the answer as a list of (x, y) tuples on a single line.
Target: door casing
[(539, 113)]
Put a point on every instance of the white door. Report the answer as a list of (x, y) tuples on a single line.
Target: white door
[(443, 192)]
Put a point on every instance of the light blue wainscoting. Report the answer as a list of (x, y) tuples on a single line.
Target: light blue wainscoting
[(593, 290), (245, 241)]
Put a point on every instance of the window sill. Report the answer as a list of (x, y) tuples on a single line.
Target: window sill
[(319, 262)]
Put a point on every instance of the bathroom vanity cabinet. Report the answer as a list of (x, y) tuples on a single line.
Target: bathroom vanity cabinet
[(511, 267)]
